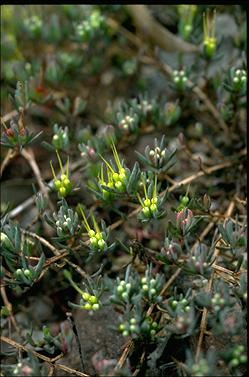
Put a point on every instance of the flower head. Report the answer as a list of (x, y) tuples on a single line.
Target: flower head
[(209, 40), (117, 177), (149, 204), (62, 185), (96, 237)]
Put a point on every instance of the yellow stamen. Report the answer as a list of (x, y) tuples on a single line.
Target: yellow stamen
[(85, 222), (140, 200), (60, 163), (96, 227), (155, 188), (107, 164), (53, 172), (116, 156), (144, 186)]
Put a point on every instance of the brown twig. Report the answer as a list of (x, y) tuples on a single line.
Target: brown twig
[(157, 34), (9, 307), (51, 361), (9, 156), (203, 324), (30, 158), (59, 253), (21, 207)]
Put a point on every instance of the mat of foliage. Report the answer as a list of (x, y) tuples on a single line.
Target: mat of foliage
[(123, 190)]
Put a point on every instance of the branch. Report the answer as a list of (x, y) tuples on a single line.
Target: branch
[(51, 361), (155, 32), (9, 156), (30, 158), (204, 318)]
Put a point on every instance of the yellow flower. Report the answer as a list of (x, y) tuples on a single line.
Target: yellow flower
[(209, 40)]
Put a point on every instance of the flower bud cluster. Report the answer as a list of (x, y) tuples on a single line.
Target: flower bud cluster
[(33, 26), (150, 288), (24, 275), (89, 302), (184, 219), (180, 80), (181, 305), (184, 322), (128, 123), (88, 152), (171, 251), (239, 80), (117, 177), (218, 302), (158, 158), (133, 327), (145, 107), (186, 13), (199, 260), (60, 139), (201, 368), (97, 239), (123, 291), (149, 203), (63, 185), (66, 221), (209, 39), (87, 29), (238, 356), (184, 201)]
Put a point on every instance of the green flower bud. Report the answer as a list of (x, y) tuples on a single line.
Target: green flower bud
[(152, 291), (5, 241), (27, 273), (86, 296), (91, 233), (101, 244), (115, 177), (88, 306), (184, 301), (62, 191), (145, 287), (147, 202), (95, 306), (124, 295), (128, 286), (63, 177), (120, 289), (153, 208), (119, 186), (125, 333), (243, 359), (133, 328), (146, 212), (152, 282), (234, 363), (57, 184), (133, 321), (121, 327), (174, 303), (92, 299), (18, 272), (93, 241), (152, 332)]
